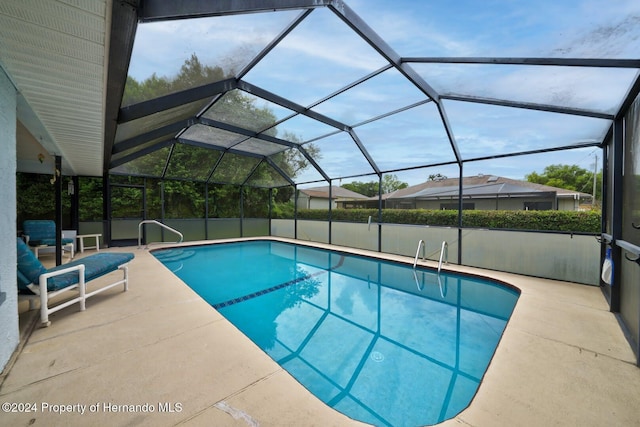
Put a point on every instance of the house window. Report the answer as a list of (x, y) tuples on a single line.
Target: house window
[(406, 205), (538, 206), (454, 206)]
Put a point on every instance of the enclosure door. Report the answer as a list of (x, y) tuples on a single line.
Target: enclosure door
[(128, 209)]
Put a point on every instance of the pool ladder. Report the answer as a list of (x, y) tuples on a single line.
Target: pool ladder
[(444, 254), (420, 284)]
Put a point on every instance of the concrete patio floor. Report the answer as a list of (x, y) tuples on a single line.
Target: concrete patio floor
[(563, 360)]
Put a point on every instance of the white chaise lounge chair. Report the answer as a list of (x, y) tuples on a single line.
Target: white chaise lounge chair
[(35, 282)]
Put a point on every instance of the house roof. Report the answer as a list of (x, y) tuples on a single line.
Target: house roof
[(479, 186), (336, 193)]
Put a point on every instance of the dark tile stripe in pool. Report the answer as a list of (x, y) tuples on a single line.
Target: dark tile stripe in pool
[(276, 287)]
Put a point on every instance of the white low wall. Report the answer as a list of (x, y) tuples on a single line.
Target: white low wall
[(355, 235), (283, 228), (567, 257), (313, 231), (574, 258)]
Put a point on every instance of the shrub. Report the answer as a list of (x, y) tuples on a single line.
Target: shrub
[(551, 220)]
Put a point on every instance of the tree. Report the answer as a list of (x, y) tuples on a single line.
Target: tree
[(188, 163), (35, 198), (368, 189), (569, 177), (390, 183), (90, 198), (436, 177), (192, 74)]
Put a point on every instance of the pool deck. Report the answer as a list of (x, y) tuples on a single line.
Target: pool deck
[(563, 360)]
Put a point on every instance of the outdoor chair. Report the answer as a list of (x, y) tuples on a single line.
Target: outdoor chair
[(35, 282), (41, 234)]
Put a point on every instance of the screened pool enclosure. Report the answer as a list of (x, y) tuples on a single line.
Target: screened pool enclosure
[(273, 96)]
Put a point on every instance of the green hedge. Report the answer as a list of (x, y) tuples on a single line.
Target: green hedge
[(567, 221)]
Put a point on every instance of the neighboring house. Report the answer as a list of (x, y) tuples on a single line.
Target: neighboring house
[(481, 192), (318, 197)]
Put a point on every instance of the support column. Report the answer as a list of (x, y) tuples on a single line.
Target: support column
[(330, 210), (380, 213), (241, 211), (106, 209), (206, 211), (75, 203), (295, 211), (58, 188), (460, 191), (270, 208), (616, 219)]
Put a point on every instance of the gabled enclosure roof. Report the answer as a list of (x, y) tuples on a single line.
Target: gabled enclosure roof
[(304, 92)]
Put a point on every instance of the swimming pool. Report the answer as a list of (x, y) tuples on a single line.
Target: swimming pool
[(376, 340)]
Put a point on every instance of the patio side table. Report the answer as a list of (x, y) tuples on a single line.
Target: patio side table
[(81, 238)]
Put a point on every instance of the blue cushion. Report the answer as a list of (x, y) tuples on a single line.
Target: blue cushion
[(39, 229), (30, 268), (42, 232), (95, 266), (28, 265)]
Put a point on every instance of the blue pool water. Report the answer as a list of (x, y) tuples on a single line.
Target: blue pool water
[(377, 341)]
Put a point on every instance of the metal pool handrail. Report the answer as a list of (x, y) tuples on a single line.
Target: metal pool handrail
[(438, 278), (420, 244), (444, 250), (415, 277), (153, 221)]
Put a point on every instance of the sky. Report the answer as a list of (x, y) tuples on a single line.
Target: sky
[(322, 55)]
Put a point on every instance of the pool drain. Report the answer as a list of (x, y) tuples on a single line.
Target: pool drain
[(376, 356)]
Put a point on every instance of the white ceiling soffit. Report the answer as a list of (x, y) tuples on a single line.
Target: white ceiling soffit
[(54, 52)]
